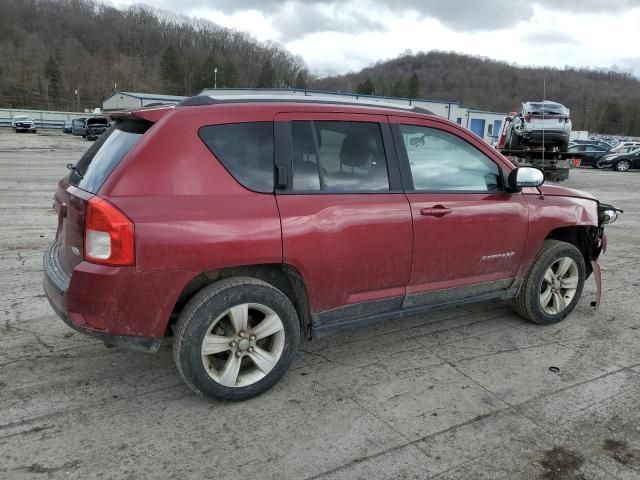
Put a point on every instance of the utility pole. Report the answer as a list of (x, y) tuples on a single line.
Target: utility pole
[(78, 98), (215, 78)]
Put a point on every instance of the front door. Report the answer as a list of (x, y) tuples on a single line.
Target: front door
[(346, 224), (469, 234)]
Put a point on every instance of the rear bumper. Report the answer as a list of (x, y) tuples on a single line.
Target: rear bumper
[(548, 135), (56, 288)]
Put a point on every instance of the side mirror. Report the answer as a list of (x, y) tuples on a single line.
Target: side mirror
[(524, 177)]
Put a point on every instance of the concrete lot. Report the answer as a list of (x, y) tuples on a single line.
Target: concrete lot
[(464, 393)]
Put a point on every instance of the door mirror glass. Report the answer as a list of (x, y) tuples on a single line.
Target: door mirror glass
[(525, 177)]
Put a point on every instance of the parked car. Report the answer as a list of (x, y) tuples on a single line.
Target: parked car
[(545, 124), (599, 143), (95, 127), (23, 123), (79, 127), (66, 128), (588, 153), (625, 147), (239, 225), (621, 161)]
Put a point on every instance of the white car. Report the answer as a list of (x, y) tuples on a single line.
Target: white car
[(545, 124), (23, 123), (624, 147)]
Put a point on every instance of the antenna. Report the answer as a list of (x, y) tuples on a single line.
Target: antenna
[(544, 98)]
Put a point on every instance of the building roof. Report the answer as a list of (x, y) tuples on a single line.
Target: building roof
[(151, 96)]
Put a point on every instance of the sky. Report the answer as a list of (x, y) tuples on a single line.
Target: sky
[(335, 37)]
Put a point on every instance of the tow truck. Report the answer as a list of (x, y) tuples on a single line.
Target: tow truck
[(554, 164)]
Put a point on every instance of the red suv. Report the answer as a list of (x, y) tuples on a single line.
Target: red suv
[(237, 225)]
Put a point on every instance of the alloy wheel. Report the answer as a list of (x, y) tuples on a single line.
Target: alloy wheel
[(623, 165), (559, 285), (243, 345)]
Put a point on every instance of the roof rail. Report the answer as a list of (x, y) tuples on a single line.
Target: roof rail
[(225, 99)]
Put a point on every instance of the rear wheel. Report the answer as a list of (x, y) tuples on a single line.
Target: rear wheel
[(553, 287), (622, 166), (236, 338)]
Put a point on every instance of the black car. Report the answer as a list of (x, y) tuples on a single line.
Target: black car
[(588, 153), (95, 127), (78, 126), (620, 162)]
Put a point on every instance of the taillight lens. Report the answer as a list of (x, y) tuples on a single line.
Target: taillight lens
[(108, 235)]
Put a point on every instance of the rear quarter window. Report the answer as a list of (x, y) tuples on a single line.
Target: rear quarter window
[(245, 150), (101, 158)]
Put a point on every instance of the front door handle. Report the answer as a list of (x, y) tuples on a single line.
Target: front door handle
[(437, 211)]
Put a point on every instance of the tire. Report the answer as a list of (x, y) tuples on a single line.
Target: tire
[(221, 375), (536, 301), (622, 166)]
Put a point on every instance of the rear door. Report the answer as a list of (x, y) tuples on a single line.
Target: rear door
[(469, 234), (346, 223)]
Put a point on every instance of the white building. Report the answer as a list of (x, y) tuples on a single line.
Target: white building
[(129, 100)]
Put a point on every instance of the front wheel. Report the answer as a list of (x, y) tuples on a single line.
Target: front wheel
[(553, 287), (622, 166), (236, 338)]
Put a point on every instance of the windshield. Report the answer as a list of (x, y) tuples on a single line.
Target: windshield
[(547, 109), (97, 121), (98, 162), (22, 118)]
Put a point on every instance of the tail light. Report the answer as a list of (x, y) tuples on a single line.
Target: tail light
[(108, 235), (527, 118)]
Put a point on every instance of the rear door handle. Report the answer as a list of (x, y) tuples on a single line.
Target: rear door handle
[(437, 211)]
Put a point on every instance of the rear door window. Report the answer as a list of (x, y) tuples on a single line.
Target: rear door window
[(335, 156), (101, 158)]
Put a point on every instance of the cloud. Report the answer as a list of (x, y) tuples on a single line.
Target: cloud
[(349, 16), (296, 20), (548, 37)]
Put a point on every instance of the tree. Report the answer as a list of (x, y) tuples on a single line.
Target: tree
[(414, 86), (366, 87), (267, 78), (171, 71), (205, 75), (301, 80), (229, 75), (52, 74), (399, 89)]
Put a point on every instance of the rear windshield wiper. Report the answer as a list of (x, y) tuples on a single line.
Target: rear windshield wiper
[(75, 170)]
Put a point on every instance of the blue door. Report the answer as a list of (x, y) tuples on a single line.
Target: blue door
[(477, 127)]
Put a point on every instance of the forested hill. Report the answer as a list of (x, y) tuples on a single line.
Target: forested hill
[(51, 47), (600, 101)]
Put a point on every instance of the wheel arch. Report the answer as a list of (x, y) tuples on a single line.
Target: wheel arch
[(284, 277), (582, 237)]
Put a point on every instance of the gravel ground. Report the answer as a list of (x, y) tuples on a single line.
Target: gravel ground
[(463, 393)]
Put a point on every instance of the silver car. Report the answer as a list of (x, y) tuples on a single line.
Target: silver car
[(545, 124), (23, 123)]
